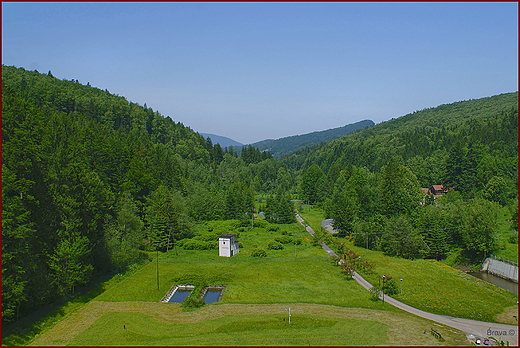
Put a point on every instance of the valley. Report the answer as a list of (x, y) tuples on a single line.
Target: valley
[(107, 204)]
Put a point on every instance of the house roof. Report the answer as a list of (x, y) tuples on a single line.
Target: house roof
[(438, 187), (227, 235)]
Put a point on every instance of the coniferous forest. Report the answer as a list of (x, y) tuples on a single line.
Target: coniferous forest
[(89, 180)]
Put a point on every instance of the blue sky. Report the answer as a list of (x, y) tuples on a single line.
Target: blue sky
[(253, 71)]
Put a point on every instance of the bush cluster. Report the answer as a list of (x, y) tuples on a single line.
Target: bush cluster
[(274, 245), (284, 239), (257, 252), (272, 228), (208, 237), (194, 244)]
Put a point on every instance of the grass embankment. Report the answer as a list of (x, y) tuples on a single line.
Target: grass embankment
[(146, 323), (27, 329), (437, 288), (507, 248)]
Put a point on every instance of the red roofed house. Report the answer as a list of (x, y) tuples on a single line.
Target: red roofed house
[(435, 190)]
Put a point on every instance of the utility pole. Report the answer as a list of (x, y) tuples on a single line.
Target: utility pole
[(295, 239), (384, 288), (168, 245), (157, 269), (366, 234), (252, 217)]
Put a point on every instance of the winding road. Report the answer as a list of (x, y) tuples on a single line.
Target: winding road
[(472, 328)]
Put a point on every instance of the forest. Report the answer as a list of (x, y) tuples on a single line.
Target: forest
[(90, 181), (371, 181)]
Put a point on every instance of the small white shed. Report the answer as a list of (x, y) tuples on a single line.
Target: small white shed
[(227, 246)]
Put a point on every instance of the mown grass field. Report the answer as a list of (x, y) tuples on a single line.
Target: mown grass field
[(148, 323)]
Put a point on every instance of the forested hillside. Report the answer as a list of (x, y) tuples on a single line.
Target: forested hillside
[(427, 134), (370, 182), (287, 145), (89, 179)]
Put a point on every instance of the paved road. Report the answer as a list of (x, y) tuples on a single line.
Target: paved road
[(472, 328)]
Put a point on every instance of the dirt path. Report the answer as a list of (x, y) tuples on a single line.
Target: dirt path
[(472, 328)]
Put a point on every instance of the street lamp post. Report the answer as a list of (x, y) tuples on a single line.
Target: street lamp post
[(401, 279), (366, 235), (384, 277), (289, 310)]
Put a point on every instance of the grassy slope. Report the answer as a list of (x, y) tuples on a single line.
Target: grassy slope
[(506, 250), (253, 281), (434, 287)]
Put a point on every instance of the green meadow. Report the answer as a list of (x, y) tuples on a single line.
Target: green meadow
[(430, 285), (326, 307)]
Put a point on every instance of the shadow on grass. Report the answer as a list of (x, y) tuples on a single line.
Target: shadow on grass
[(27, 329)]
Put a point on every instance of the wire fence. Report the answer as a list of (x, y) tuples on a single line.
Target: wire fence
[(247, 259), (503, 260)]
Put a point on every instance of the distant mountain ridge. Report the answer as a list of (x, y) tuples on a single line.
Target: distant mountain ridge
[(428, 134), (283, 146), (223, 141)]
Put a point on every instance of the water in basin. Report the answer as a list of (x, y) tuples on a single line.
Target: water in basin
[(179, 296), (212, 295)]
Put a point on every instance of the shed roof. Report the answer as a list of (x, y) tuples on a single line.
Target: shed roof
[(227, 235)]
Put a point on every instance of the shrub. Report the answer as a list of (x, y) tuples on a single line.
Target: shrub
[(192, 302), (260, 223), (513, 238), (227, 226), (257, 252), (374, 293), (194, 244), (274, 245), (272, 228), (391, 287), (207, 237), (287, 240), (284, 239)]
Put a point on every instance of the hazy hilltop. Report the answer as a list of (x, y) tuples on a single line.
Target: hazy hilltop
[(223, 141), (283, 146)]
